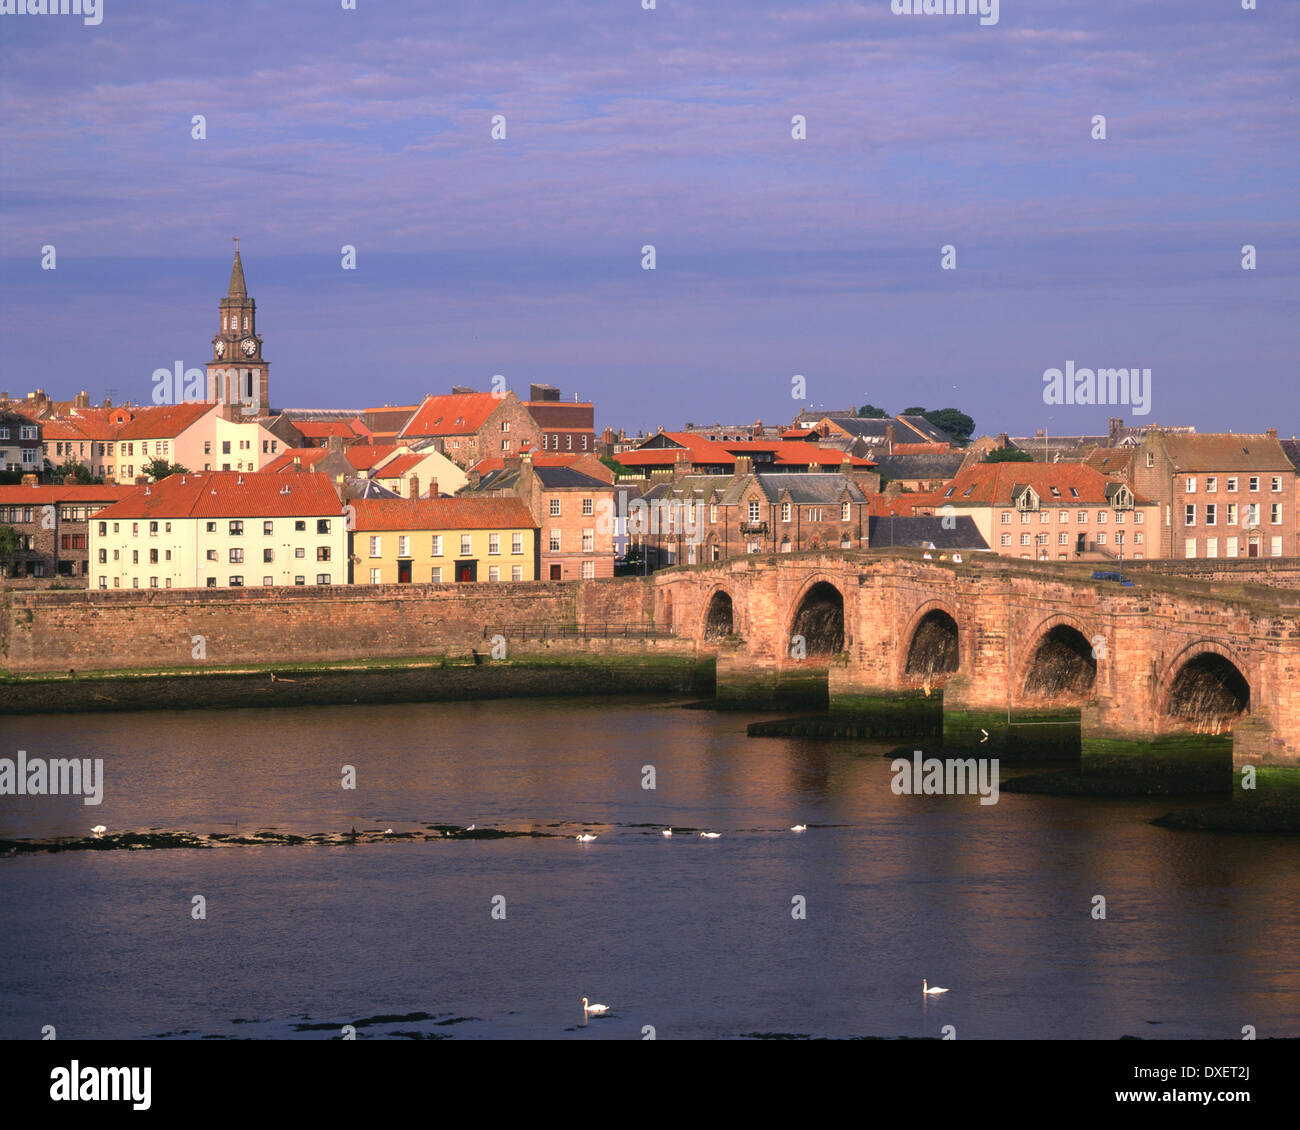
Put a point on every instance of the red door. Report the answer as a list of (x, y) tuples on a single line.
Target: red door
[(403, 572), (557, 572)]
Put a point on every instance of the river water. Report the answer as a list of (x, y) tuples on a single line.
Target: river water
[(690, 936)]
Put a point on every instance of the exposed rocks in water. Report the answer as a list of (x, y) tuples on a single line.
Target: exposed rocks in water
[(1232, 818), (1067, 783)]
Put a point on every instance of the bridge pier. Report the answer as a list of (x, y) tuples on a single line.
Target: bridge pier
[(886, 711), (746, 681), (1116, 745), (1275, 784), (1025, 732)]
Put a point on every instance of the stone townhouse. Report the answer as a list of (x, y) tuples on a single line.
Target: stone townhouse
[(222, 529), (468, 426), (1051, 511), (1220, 495), (20, 443), (565, 426), (574, 510), (462, 540), (52, 523), (700, 518)]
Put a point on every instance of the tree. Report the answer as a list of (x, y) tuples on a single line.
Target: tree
[(77, 471), (158, 468), (615, 466), (913, 411), (871, 412), (1008, 455), (10, 544), (955, 423)]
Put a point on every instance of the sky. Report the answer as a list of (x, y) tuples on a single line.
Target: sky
[(775, 257)]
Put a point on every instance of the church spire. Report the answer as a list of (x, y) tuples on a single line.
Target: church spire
[(238, 289)]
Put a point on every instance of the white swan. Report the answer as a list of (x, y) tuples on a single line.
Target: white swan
[(388, 831), (799, 828), (929, 992), (594, 1009), (99, 829), (666, 832), (585, 838), (710, 835), (470, 828)]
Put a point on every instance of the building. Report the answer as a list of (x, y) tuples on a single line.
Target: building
[(698, 518), (691, 453), (1052, 511), (1220, 495), (441, 541), (574, 510), (238, 374), (52, 523), (467, 426), (20, 442), (564, 426), (221, 529), (934, 533)]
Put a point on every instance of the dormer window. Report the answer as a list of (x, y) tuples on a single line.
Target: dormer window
[(1074, 492)]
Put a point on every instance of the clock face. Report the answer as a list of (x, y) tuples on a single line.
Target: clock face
[(220, 348), (249, 346)]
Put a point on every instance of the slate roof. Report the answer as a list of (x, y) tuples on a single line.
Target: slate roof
[(921, 532), (934, 466)]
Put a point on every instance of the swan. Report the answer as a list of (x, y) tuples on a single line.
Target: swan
[(929, 992), (666, 832), (594, 1009), (388, 831), (585, 838), (710, 835), (99, 829), (470, 828), (799, 828)]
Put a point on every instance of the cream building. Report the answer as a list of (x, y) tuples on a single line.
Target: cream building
[(221, 530)]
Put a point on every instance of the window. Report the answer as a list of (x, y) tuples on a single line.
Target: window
[(1025, 517), (103, 582), (1254, 482), (268, 528), (588, 541), (153, 557), (713, 512), (466, 545), (555, 508), (403, 546), (225, 447), (1275, 547), (516, 572), (268, 581), (103, 557), (1232, 482), (322, 553), (494, 545), (1083, 517), (1119, 517), (1189, 547), (1138, 537), (236, 529), (1101, 517), (374, 576), (555, 541), (1024, 539), (207, 447), (1151, 459), (153, 529), (1275, 513), (846, 512), (753, 511), (322, 525), (568, 442), (494, 572), (236, 556), (1006, 539), (785, 512), (375, 544), (516, 543), (1276, 484), (1006, 517), (435, 577), (437, 546), (300, 526), (1101, 537), (1231, 518), (1044, 516), (300, 580), (1190, 487), (1231, 547), (589, 570), (1189, 514), (135, 556), (322, 578), (135, 529), (1252, 514), (103, 529), (268, 555), (299, 551), (1211, 513), (1211, 484), (1062, 539), (505, 425), (211, 555), (1211, 547), (236, 582)]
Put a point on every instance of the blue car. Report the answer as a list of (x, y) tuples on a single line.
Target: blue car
[(1102, 575)]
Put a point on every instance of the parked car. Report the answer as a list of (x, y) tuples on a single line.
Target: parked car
[(1102, 575)]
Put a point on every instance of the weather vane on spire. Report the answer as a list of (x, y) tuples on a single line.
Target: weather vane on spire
[(236, 244)]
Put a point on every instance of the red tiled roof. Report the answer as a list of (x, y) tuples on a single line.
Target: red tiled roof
[(399, 466), (540, 459), (458, 414), (441, 514), (108, 425), (919, 449), (697, 449), (295, 456), (993, 484), (230, 494), (47, 492), (323, 429), (363, 456)]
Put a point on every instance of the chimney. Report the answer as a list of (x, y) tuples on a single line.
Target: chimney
[(1272, 433), (433, 488), (474, 479), (29, 480), (889, 438), (1116, 423), (744, 466), (334, 443), (1004, 440), (414, 490)]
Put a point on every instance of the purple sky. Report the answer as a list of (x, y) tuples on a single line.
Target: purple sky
[(671, 127)]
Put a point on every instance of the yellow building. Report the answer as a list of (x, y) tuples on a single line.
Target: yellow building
[(221, 529), (441, 540)]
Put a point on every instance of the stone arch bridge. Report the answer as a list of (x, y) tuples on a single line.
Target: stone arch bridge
[(992, 648)]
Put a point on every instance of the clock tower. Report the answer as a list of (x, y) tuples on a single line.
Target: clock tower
[(237, 374)]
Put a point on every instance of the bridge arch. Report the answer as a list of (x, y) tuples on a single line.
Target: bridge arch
[(1060, 659), (719, 614), (1205, 685), (931, 644), (818, 616)]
